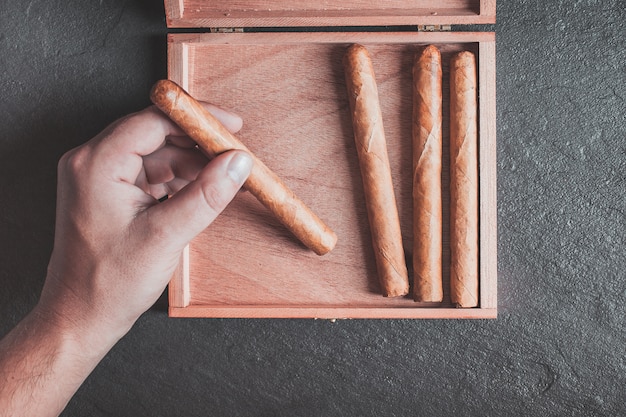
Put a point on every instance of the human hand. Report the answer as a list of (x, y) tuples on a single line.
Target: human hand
[(115, 248), (115, 245)]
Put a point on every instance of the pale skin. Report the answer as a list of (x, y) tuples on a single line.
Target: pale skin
[(115, 249)]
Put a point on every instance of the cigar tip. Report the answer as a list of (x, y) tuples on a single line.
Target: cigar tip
[(396, 292), (462, 59), (430, 51), (470, 304), (329, 240), (162, 88), (357, 49)]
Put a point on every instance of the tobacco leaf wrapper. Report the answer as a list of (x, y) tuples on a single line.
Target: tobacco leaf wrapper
[(265, 185), (427, 152), (463, 181), (371, 148)]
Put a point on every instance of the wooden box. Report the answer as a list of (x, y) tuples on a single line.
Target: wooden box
[(289, 87)]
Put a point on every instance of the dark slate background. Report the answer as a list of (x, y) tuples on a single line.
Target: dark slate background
[(69, 68)]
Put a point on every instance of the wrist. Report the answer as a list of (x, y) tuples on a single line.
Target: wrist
[(77, 302), (79, 333), (45, 358)]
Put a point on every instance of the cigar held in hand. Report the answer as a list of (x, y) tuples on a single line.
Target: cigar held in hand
[(427, 145), (371, 148), (463, 181), (214, 139)]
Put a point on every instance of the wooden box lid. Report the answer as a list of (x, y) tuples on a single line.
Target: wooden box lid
[(290, 13)]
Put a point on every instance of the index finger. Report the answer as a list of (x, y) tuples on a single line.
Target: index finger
[(123, 144), (140, 133), (153, 127)]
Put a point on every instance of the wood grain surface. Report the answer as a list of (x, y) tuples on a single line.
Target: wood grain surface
[(258, 13), (290, 90)]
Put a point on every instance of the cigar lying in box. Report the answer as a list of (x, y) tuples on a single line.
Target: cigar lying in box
[(427, 163), (371, 145), (265, 185), (463, 180)]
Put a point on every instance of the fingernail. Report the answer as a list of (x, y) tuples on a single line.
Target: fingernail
[(239, 167)]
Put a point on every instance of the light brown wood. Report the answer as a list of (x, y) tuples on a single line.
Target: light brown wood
[(284, 13), (488, 8), (174, 9), (290, 90), (178, 290), (427, 161), (327, 38), (371, 147), (178, 65), (332, 313), (487, 171)]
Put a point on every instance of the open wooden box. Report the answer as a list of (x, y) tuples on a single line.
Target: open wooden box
[(289, 88)]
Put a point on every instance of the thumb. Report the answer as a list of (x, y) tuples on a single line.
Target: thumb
[(191, 210)]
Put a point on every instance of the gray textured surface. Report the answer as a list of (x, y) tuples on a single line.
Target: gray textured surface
[(558, 347)]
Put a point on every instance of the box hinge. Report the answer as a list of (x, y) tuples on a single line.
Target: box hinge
[(226, 30), (434, 28)]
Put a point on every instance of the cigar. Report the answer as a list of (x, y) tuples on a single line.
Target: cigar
[(214, 139), (427, 104), (463, 181), (371, 146)]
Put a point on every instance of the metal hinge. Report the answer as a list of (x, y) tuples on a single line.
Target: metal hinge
[(226, 30), (434, 28)]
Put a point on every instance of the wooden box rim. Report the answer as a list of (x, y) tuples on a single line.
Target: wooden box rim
[(208, 14), (179, 291)]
